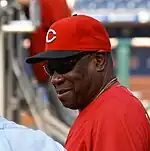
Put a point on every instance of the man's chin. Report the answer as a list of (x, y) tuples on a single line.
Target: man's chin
[(69, 103), (70, 106)]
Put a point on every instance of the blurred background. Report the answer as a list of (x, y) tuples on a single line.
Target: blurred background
[(26, 97)]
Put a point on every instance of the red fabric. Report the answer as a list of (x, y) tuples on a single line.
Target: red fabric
[(116, 121), (51, 11), (78, 33)]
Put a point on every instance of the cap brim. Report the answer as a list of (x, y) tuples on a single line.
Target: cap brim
[(50, 55)]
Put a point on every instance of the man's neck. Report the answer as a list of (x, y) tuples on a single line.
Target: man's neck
[(108, 83)]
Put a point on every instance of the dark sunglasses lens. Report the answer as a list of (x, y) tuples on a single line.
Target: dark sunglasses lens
[(65, 65), (65, 68), (59, 67)]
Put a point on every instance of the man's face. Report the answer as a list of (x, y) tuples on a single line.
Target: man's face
[(76, 87)]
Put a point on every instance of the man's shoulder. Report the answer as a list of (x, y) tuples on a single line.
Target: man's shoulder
[(119, 102), (121, 95), (17, 137)]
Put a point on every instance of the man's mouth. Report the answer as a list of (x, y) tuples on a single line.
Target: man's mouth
[(62, 92)]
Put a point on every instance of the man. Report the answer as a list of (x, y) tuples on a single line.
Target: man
[(14, 137), (79, 64)]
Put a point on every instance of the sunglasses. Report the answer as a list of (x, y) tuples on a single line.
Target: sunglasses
[(63, 66)]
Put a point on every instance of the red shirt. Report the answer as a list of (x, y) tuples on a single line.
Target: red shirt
[(51, 11), (115, 121)]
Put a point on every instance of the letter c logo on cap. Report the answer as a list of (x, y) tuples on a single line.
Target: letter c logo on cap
[(53, 32)]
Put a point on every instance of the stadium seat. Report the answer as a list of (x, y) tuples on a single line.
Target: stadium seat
[(97, 4)]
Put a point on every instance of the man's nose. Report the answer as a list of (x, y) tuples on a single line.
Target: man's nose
[(57, 79)]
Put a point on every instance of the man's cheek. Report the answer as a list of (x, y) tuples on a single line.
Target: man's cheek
[(77, 88)]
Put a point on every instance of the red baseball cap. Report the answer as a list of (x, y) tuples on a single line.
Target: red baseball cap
[(73, 35)]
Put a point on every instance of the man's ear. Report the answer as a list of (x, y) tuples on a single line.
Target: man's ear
[(100, 59)]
